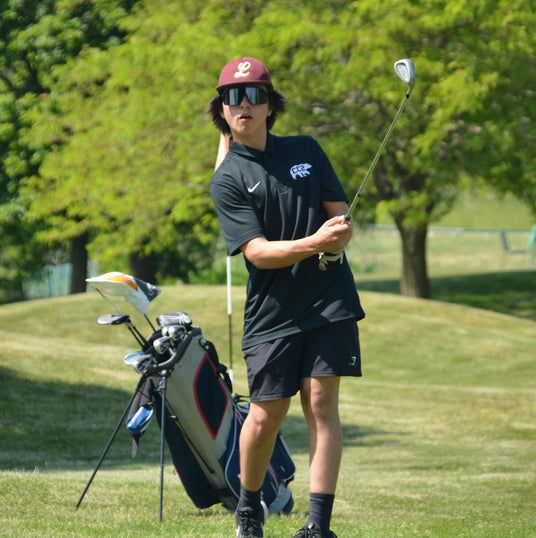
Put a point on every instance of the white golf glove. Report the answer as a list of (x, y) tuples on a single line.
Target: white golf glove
[(326, 258)]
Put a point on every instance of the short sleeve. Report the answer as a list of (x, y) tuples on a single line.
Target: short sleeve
[(238, 220)]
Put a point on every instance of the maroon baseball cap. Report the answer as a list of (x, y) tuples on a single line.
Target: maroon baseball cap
[(244, 70)]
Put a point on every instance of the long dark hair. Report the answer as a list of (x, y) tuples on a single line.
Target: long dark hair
[(276, 101)]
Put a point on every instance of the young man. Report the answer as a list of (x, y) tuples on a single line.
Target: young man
[(280, 203)]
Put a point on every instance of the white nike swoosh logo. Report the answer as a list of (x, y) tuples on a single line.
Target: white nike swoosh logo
[(251, 189)]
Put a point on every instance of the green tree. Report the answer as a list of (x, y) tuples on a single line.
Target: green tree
[(133, 163), (468, 115), (34, 37), (140, 151)]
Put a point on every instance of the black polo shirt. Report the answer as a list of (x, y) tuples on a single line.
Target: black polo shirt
[(278, 194)]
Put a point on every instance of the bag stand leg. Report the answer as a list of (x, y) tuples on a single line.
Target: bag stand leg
[(162, 386), (121, 420)]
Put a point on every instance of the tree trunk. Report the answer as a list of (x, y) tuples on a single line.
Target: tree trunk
[(143, 267), (414, 282), (79, 264)]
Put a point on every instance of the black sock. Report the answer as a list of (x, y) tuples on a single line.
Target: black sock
[(249, 499), (320, 508)]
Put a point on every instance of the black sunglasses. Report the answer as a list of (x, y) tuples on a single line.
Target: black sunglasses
[(234, 96)]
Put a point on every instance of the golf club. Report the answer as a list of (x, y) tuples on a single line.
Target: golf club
[(161, 345), (173, 331), (113, 319), (406, 72), (138, 360)]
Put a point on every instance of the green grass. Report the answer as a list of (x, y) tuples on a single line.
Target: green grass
[(509, 293), (439, 433), (479, 208), (377, 252), (465, 267)]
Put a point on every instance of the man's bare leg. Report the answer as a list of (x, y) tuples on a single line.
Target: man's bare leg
[(257, 440), (320, 403)]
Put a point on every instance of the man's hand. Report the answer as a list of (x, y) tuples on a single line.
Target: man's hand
[(334, 234), (340, 232)]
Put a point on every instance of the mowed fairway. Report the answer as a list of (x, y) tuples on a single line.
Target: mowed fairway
[(440, 433)]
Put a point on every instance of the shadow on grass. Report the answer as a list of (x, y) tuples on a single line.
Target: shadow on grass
[(58, 426), (510, 293)]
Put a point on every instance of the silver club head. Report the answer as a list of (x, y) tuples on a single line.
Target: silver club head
[(135, 359), (161, 345), (173, 331), (406, 71)]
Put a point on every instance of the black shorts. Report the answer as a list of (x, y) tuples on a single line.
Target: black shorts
[(275, 369)]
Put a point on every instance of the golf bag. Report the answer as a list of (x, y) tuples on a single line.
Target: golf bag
[(183, 383), (202, 419)]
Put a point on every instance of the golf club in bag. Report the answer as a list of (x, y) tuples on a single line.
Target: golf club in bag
[(405, 71), (185, 386)]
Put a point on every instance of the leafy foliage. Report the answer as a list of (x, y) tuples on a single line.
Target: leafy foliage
[(128, 132), (35, 37), (133, 149)]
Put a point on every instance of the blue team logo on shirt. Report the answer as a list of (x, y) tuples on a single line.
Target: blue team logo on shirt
[(300, 170)]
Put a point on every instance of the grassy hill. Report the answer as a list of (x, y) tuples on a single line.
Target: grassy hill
[(439, 433)]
